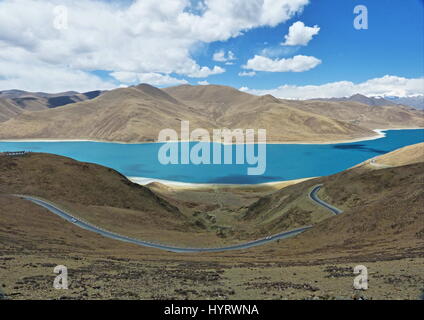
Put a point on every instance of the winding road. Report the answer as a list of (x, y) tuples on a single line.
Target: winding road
[(90, 227), (314, 197)]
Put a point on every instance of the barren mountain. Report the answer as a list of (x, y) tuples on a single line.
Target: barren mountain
[(8, 110), (41, 100), (127, 114), (416, 102), (369, 101), (137, 114), (14, 102), (21, 101), (371, 117), (235, 109)]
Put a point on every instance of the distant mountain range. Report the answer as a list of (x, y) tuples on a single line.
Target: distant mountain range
[(138, 113), (26, 99), (416, 102), (13, 102)]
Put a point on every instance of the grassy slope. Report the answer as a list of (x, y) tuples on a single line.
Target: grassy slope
[(101, 196), (63, 179), (385, 235), (100, 268), (383, 211)]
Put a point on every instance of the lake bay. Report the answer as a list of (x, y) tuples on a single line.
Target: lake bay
[(284, 161)]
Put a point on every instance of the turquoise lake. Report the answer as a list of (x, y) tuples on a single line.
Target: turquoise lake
[(284, 161)]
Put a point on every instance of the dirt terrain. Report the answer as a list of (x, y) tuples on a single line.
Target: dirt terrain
[(139, 113), (382, 227), (361, 114), (407, 155), (99, 268)]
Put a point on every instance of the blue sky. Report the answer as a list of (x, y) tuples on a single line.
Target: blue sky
[(393, 44), (289, 48)]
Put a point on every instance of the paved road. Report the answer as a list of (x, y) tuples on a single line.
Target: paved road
[(85, 225), (314, 197)]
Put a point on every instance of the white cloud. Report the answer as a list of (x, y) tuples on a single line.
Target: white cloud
[(204, 72), (384, 86), (203, 83), (247, 73), (155, 79), (298, 63), (221, 56), (35, 75), (299, 34), (147, 36)]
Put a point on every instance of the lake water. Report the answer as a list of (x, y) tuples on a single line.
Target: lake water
[(284, 161)]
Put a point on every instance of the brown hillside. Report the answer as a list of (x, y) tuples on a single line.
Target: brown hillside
[(58, 178), (235, 109), (137, 114), (103, 197), (128, 114), (404, 156), (382, 227), (8, 110), (21, 101), (371, 117), (383, 206)]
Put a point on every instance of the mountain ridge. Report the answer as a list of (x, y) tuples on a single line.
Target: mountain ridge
[(23, 101), (138, 113), (370, 101), (416, 101)]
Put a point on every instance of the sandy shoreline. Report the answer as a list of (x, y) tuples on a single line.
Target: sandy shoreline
[(190, 185), (379, 134)]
